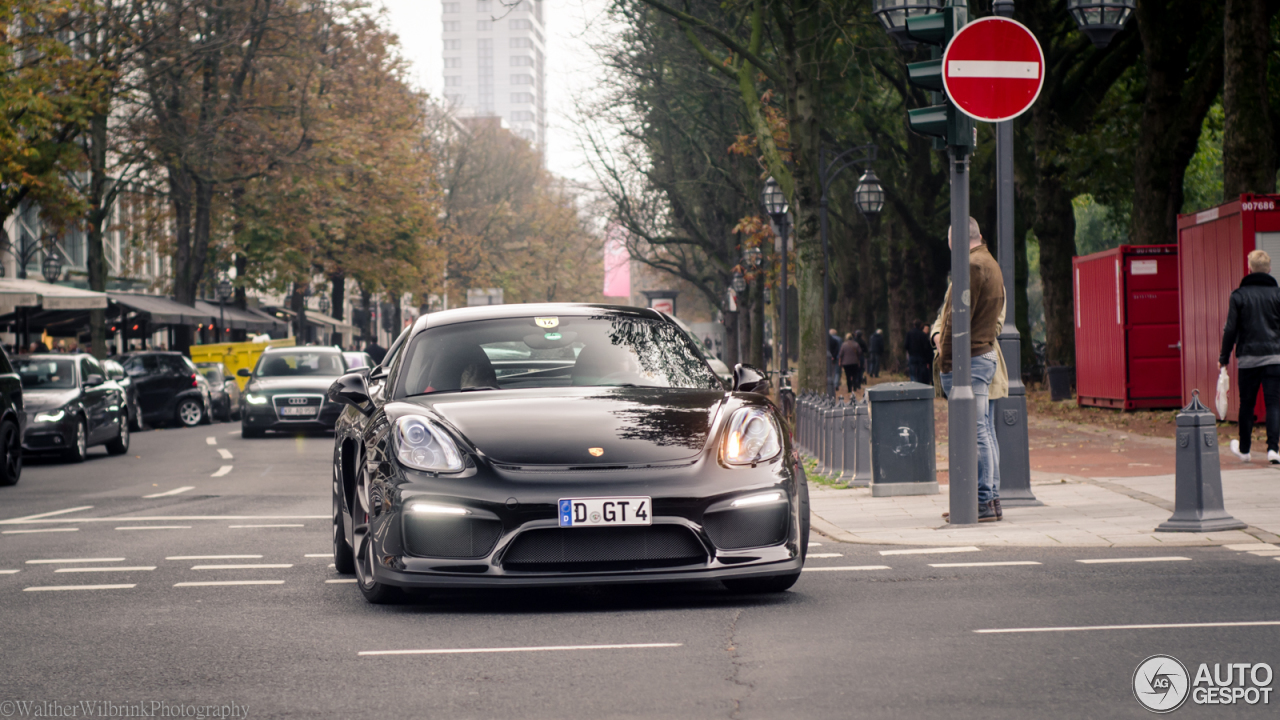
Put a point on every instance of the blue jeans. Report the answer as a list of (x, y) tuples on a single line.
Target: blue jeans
[(981, 372)]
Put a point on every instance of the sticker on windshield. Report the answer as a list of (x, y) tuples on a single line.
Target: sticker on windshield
[(551, 336), (547, 323)]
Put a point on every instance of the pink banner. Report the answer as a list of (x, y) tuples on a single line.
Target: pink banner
[(617, 263)]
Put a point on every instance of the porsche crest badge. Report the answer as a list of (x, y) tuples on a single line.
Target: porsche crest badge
[(547, 323), (596, 452)]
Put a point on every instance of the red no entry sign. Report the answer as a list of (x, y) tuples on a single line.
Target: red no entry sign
[(993, 69)]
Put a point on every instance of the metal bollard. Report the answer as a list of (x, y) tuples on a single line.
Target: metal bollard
[(833, 420), (822, 436), (1198, 506), (802, 406), (862, 446), (808, 425), (845, 441)]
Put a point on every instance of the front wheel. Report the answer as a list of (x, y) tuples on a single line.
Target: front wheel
[(190, 412), (80, 444), (120, 445), (363, 556), (10, 454), (343, 558), (758, 586), (248, 432), (135, 418)]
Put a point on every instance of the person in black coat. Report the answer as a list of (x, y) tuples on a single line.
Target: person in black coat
[(918, 353), (1253, 331), (376, 351), (875, 350)]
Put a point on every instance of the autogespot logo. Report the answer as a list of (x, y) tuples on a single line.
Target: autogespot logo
[(1161, 683)]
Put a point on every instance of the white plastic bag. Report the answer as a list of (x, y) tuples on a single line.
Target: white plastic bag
[(1224, 386)]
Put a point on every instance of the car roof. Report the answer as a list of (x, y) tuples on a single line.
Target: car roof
[(498, 312), (308, 348), (52, 356)]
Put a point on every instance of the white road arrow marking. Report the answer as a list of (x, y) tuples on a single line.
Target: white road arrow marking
[(222, 471)]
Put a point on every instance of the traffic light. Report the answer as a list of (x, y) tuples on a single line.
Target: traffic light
[(942, 121)]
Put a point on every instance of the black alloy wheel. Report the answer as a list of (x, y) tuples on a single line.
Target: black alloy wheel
[(190, 412), (135, 417), (80, 444), (120, 445), (363, 555), (10, 454), (207, 419), (225, 415), (343, 559)]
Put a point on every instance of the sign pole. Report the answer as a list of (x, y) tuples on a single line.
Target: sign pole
[(962, 415)]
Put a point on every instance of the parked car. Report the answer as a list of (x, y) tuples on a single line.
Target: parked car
[(117, 375), (169, 388), (223, 390), (71, 406), (631, 461), (286, 390), (12, 422), (358, 359)]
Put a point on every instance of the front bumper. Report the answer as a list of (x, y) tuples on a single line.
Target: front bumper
[(264, 417), (48, 437), (522, 544)]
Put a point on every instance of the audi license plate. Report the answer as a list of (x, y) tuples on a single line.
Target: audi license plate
[(303, 410), (597, 512)]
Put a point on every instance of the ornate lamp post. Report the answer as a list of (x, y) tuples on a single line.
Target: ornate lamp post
[(324, 305), (224, 292), (51, 268), (775, 204), (893, 16), (1098, 19)]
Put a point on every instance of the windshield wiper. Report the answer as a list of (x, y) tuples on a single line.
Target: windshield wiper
[(477, 388)]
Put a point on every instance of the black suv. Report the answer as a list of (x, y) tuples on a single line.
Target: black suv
[(12, 422), (168, 388)]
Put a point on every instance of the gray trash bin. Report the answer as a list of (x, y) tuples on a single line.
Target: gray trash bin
[(902, 443)]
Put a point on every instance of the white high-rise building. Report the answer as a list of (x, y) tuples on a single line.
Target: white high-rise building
[(494, 57)]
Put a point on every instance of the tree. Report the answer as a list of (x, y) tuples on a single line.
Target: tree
[(1249, 153)]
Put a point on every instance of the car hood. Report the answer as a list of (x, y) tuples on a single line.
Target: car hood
[(317, 384), (39, 400), (560, 426)]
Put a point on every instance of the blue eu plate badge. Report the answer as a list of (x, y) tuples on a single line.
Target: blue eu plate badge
[(566, 513)]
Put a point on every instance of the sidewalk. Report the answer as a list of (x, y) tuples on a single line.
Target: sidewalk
[(1100, 488)]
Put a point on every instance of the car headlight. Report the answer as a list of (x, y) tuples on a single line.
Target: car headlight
[(752, 437), (255, 399), (51, 417), (424, 445)]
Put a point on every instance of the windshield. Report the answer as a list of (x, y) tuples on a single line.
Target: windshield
[(211, 372), (300, 363), (511, 353), (45, 373)]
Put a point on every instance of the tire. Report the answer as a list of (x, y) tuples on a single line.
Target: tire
[(10, 454), (343, 558), (120, 445), (80, 447), (362, 558), (208, 412), (225, 415), (135, 418), (804, 519), (248, 432), (190, 412), (759, 586)]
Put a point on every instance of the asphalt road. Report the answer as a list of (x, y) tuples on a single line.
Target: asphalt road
[(863, 634)]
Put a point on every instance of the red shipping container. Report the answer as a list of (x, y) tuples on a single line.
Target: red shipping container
[(1127, 327), (1213, 246)]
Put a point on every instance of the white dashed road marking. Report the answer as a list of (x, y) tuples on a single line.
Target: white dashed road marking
[(44, 530), (7, 572), (1130, 627), (240, 567), (229, 582), (155, 527), (328, 554), (72, 560), (140, 568), (847, 567), (213, 557), (211, 440), (225, 453), (1094, 561), (262, 526), (79, 587), (45, 515), (928, 551), (823, 555), (222, 471), (547, 648), (344, 581), (985, 564), (167, 493)]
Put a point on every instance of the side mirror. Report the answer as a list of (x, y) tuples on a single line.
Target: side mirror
[(350, 389), (749, 379), (244, 372), (93, 380)]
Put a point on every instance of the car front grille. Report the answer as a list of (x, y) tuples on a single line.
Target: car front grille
[(747, 528), (449, 537), (281, 402), (602, 549)]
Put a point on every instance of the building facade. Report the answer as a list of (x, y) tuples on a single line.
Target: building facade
[(494, 63)]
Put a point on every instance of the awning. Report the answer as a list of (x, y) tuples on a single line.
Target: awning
[(15, 293), (238, 319), (317, 318), (162, 310)]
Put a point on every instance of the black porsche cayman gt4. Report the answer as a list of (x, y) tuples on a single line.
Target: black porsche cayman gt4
[(534, 445)]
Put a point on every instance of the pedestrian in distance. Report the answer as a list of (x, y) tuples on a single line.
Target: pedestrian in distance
[(1253, 332), (850, 360), (986, 305), (376, 351), (919, 353), (862, 343), (833, 365), (874, 353)]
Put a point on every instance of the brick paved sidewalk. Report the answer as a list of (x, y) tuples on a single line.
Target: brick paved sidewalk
[(1099, 488)]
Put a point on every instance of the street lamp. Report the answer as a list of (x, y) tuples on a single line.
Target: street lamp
[(775, 203), (324, 305), (739, 283), (224, 292), (869, 197), (1101, 19), (51, 267), (893, 16)]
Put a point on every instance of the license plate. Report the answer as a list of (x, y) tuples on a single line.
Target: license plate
[(299, 410), (597, 512)]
